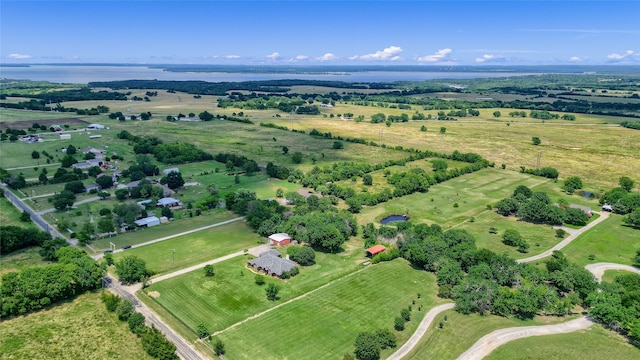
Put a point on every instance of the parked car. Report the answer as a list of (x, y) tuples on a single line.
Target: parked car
[(108, 251), (126, 247)]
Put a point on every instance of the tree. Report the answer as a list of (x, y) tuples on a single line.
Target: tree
[(296, 157), (76, 187), (205, 116), (63, 200), (423, 128), (202, 330), (626, 183), (35, 154), (367, 347), (272, 291), (386, 339), (304, 255), (105, 225), (443, 130), (124, 310), (218, 347), (24, 217), (572, 184), (536, 140), (576, 217), (367, 179), (285, 150), (131, 269), (208, 270), (633, 219), (136, 322), (496, 114), (338, 145), (439, 165), (108, 259), (105, 182), (512, 237), (173, 180), (71, 150), (103, 195), (398, 323)]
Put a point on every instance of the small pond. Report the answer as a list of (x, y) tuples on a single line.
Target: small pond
[(393, 218)]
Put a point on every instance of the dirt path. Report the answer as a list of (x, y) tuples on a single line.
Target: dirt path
[(603, 216), (495, 339), (420, 331), (598, 269)]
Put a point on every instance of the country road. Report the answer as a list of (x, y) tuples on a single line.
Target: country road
[(91, 199), (598, 269)]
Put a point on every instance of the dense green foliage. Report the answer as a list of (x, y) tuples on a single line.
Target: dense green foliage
[(15, 238)]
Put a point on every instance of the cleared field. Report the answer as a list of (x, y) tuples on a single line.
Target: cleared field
[(610, 241), (593, 343), (461, 331), (9, 215), (472, 192), (232, 295), (78, 329), (163, 230), (10, 115), (596, 153), (325, 324), (20, 259), (195, 248)]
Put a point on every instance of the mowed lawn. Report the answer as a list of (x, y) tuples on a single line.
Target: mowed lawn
[(232, 294), (78, 329), (472, 192), (195, 248), (593, 343), (609, 241), (460, 332), (325, 324), (10, 215)]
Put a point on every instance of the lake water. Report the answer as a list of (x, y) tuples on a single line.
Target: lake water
[(88, 73), (393, 218)]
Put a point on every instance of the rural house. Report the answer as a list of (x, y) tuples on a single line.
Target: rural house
[(168, 201), (272, 263), (280, 239)]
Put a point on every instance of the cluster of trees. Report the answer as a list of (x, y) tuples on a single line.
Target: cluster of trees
[(131, 269), (369, 344), (153, 342), (622, 199), (173, 153), (536, 207), (16, 238), (34, 288), (631, 124), (548, 172), (303, 255), (237, 161)]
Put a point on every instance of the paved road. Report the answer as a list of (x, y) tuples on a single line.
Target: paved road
[(98, 256), (420, 331), (598, 269), (603, 216), (495, 339), (37, 219), (32, 166), (183, 347)]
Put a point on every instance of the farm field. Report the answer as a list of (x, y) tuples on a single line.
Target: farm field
[(195, 248), (460, 332), (593, 343), (232, 295), (20, 259), (610, 241), (78, 329), (332, 317)]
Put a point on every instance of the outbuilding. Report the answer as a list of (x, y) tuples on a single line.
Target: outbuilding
[(376, 249), (148, 222), (168, 201), (95, 127), (170, 170), (280, 239)]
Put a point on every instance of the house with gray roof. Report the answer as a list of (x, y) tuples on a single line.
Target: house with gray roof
[(272, 263)]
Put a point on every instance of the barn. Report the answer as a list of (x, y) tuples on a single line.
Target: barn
[(280, 239), (376, 249)]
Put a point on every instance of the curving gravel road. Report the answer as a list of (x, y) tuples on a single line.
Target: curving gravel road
[(495, 339), (598, 269)]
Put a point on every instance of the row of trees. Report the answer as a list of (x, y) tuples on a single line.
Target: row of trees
[(536, 207), (16, 238)]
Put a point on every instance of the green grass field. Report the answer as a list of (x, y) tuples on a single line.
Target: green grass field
[(610, 241), (9, 215), (324, 325), (78, 329), (592, 343), (232, 295), (195, 248), (147, 234), (20, 259), (460, 332)]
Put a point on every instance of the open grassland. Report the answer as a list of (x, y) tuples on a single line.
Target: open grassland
[(598, 154), (325, 324), (78, 329), (610, 241), (472, 192), (611, 275), (592, 343), (232, 295), (155, 232), (11, 115), (9, 215), (21, 259), (195, 248), (460, 332)]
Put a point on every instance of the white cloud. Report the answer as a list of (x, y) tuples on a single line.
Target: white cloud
[(301, 57), (232, 57), (578, 59), (490, 58), (326, 57), (354, 57), (440, 55), (18, 56), (274, 56), (388, 54), (619, 56)]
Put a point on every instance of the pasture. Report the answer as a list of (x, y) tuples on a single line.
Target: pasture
[(77, 329), (610, 241), (9, 215), (325, 324), (232, 295), (20, 259), (195, 248)]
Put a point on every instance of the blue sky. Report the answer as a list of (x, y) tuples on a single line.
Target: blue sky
[(321, 32)]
